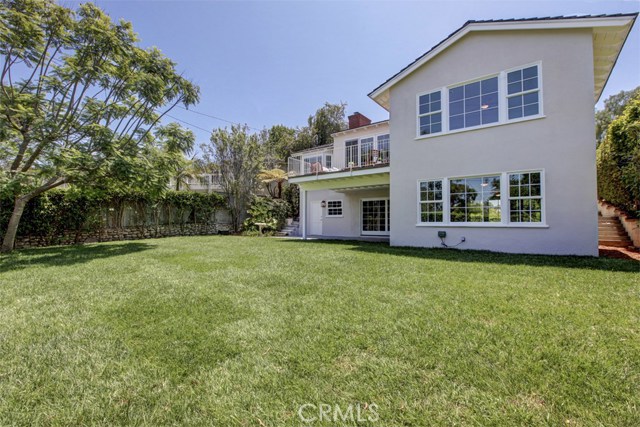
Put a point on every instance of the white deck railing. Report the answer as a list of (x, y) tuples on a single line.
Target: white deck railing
[(325, 162)]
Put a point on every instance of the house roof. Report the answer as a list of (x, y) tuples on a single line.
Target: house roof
[(609, 35), (374, 124)]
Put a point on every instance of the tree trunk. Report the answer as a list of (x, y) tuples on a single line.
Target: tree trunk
[(14, 221)]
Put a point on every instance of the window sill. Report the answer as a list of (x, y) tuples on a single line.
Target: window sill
[(453, 132), (481, 225)]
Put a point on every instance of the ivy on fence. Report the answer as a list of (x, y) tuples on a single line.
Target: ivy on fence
[(71, 210)]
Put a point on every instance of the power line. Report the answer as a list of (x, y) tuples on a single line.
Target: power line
[(217, 118), (189, 124)]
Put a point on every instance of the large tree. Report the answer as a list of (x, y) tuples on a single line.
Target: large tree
[(79, 101), (237, 155), (328, 119), (613, 107)]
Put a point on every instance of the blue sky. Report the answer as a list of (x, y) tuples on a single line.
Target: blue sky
[(273, 62)]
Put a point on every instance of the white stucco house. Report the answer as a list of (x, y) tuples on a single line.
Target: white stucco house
[(490, 144)]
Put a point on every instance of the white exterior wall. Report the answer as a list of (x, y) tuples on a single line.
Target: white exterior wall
[(562, 143), (349, 224)]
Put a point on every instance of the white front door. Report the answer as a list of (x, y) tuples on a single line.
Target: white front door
[(315, 218)]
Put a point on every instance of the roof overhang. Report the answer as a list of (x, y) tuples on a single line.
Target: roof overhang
[(609, 34)]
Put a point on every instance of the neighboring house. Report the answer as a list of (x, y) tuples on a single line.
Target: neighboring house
[(202, 183), (490, 142)]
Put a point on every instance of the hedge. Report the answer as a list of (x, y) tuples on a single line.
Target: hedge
[(59, 211), (618, 161)]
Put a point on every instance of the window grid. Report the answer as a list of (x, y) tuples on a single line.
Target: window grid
[(475, 199), (383, 148), (431, 203), (523, 96), (334, 208), (474, 104), (430, 113), (375, 216), (525, 197)]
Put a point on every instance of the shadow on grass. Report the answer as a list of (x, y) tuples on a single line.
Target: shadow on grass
[(458, 255), (67, 255)]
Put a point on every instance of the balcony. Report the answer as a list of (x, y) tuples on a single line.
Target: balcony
[(325, 161)]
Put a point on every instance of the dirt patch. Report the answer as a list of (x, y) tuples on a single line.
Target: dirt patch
[(620, 253)]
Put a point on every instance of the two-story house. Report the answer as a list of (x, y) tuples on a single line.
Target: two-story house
[(490, 143)]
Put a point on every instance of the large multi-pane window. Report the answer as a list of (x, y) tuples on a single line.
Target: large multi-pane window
[(475, 199), (430, 113), (523, 92), (525, 197), (431, 205), (509, 95), (473, 104), (480, 199)]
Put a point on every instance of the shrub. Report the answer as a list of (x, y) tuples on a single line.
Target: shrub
[(618, 161), (291, 194), (272, 212)]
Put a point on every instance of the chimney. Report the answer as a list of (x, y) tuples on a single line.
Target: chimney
[(356, 120)]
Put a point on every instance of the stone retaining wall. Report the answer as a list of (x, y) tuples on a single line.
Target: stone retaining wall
[(114, 234)]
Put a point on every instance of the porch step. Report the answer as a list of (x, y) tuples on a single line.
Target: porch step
[(612, 233), (290, 230)]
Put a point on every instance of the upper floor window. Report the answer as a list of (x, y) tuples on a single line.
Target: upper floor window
[(508, 95), (473, 104), (383, 148), (522, 92), (351, 152), (430, 113), (366, 151)]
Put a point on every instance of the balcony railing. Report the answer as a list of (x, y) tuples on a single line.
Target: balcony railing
[(325, 162)]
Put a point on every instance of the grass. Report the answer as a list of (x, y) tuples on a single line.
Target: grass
[(234, 331)]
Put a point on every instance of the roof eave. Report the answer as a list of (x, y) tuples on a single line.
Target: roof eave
[(381, 94)]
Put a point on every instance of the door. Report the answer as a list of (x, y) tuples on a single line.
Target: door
[(315, 218), (375, 217)]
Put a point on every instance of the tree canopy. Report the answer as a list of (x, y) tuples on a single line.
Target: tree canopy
[(81, 103), (613, 108)]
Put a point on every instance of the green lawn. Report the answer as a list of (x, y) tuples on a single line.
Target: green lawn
[(233, 331)]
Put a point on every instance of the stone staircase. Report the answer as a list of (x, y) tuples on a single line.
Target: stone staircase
[(292, 230), (612, 233)]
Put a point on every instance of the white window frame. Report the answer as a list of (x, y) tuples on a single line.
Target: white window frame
[(441, 111), (503, 118), (388, 219), (445, 200), (543, 203), (507, 96), (505, 219), (341, 209)]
